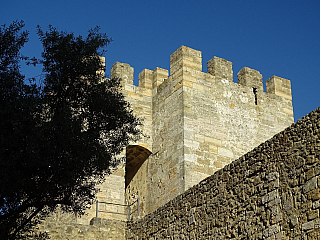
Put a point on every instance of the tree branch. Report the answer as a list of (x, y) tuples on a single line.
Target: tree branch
[(13, 236)]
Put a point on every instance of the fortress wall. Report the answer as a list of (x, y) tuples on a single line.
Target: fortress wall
[(111, 191), (194, 123), (272, 192), (138, 189)]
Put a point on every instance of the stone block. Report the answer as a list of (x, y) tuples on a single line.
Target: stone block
[(270, 196), (272, 230), (312, 214), (317, 223), (310, 185), (310, 159), (293, 221), (316, 204), (314, 194), (225, 152), (273, 176), (213, 141), (218, 164), (308, 226), (310, 173)]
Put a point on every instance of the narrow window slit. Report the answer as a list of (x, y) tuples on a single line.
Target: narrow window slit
[(255, 95)]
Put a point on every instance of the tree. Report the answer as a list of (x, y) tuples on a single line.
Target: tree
[(61, 139)]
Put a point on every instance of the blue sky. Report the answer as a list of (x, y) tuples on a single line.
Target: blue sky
[(279, 38)]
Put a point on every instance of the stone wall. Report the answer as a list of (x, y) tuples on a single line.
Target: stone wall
[(98, 228), (272, 192)]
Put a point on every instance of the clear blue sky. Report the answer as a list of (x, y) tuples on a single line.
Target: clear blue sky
[(279, 38)]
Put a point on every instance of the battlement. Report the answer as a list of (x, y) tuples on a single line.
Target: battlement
[(279, 86), (185, 59), (220, 68), (188, 62)]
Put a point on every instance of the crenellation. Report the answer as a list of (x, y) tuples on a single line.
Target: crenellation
[(185, 59), (146, 79), (123, 71), (158, 76), (279, 86), (220, 68), (250, 78)]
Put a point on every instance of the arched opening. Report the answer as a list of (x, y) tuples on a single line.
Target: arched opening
[(136, 155)]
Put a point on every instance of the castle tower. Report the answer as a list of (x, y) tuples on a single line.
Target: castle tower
[(196, 122)]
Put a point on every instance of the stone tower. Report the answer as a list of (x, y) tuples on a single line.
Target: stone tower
[(196, 122)]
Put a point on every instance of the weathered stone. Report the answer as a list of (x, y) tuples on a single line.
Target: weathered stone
[(317, 223), (272, 230), (316, 204), (314, 194), (312, 214), (310, 185), (310, 173), (308, 226), (269, 196), (293, 221), (273, 176), (310, 159)]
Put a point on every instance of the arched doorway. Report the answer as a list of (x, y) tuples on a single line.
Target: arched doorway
[(136, 156)]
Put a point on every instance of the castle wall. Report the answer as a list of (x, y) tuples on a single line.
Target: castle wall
[(272, 192), (60, 224)]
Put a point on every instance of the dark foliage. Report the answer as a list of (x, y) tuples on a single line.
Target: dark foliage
[(59, 141)]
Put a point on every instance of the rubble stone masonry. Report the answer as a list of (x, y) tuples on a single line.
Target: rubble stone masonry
[(271, 192)]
